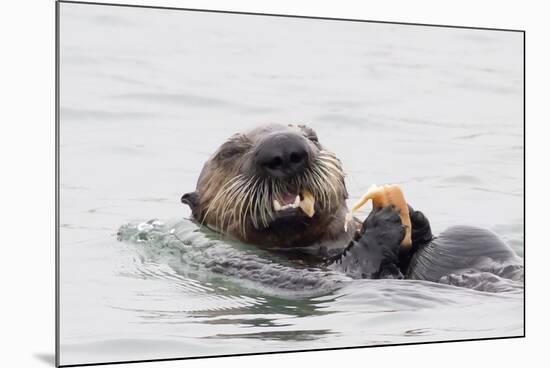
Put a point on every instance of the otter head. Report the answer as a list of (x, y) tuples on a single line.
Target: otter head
[(274, 186)]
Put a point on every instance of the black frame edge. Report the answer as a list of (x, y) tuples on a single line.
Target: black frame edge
[(57, 186), (288, 15), (524, 188), (292, 351)]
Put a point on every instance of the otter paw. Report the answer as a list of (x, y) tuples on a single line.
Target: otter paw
[(421, 229), (384, 226), (373, 254)]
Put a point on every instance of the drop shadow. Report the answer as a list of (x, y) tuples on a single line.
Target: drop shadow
[(46, 358)]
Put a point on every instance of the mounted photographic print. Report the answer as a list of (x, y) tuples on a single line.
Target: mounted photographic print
[(235, 183)]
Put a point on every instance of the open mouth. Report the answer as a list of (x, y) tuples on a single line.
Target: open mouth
[(305, 201)]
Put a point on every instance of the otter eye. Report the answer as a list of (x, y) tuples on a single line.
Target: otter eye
[(236, 145), (313, 138), (227, 153)]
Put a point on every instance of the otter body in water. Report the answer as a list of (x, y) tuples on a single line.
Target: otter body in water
[(277, 187)]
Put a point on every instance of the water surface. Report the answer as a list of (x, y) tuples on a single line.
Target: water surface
[(146, 97)]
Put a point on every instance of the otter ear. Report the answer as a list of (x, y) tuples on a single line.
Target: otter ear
[(309, 133), (191, 199)]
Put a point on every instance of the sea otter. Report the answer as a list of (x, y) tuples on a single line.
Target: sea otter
[(278, 187)]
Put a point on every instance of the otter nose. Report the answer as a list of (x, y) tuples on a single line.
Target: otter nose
[(283, 156)]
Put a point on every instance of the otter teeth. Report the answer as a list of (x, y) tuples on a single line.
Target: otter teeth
[(278, 207), (306, 205)]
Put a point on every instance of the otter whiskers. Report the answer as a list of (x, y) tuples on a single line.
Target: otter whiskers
[(249, 200)]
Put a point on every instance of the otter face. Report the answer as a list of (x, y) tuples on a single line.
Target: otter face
[(275, 186)]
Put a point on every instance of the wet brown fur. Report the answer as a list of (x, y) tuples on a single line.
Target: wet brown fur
[(233, 198)]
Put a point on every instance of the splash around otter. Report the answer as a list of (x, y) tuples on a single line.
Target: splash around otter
[(278, 187)]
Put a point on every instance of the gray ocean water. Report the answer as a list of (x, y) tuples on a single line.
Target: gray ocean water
[(147, 95)]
